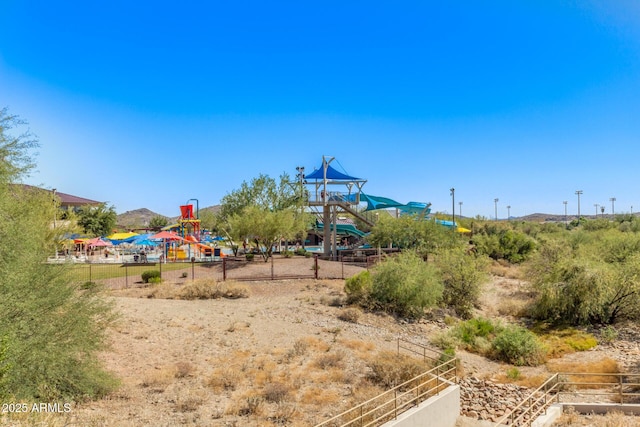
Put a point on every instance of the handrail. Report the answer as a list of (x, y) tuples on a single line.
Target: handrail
[(552, 389), (391, 403)]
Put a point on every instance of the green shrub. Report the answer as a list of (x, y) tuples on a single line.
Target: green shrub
[(518, 346), (88, 285), (308, 254), (358, 288), (462, 276), (150, 274), (249, 257), (155, 280), (300, 252), (405, 285), (287, 254)]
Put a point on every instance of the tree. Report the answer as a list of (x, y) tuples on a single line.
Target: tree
[(97, 220), (263, 212), (50, 332), (410, 232), (158, 221)]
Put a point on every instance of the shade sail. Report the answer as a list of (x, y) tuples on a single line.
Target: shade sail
[(332, 174), (122, 236)]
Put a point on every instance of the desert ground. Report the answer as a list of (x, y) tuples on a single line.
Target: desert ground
[(287, 353)]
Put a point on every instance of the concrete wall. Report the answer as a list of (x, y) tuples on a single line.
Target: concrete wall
[(437, 411)]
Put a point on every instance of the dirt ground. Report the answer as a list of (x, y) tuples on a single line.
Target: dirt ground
[(187, 362)]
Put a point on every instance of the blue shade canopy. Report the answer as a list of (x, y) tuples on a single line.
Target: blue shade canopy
[(332, 174), (377, 202)]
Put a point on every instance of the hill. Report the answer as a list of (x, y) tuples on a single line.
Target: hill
[(139, 218)]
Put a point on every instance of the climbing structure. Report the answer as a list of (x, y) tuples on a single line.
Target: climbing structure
[(189, 222)]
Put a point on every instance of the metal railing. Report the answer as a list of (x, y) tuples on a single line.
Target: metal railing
[(390, 404), (618, 387)]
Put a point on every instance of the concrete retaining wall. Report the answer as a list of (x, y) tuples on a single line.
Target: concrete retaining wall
[(437, 411)]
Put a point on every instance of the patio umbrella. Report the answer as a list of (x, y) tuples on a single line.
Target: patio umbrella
[(97, 242), (165, 235)]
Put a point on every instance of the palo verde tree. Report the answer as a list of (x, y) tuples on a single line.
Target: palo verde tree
[(263, 212), (50, 332)]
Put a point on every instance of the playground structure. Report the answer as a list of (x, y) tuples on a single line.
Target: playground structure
[(332, 202)]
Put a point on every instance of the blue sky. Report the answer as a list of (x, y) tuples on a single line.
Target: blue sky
[(149, 104)]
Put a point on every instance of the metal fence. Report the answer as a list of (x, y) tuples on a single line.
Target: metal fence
[(129, 274), (390, 404), (616, 388)]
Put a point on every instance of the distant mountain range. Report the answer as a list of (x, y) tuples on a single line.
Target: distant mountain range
[(139, 218)]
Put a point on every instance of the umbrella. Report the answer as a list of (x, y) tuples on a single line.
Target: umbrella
[(165, 235), (97, 241), (118, 238)]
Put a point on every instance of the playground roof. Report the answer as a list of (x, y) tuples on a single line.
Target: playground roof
[(331, 174)]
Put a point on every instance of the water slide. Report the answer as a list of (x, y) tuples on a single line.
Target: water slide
[(204, 249)]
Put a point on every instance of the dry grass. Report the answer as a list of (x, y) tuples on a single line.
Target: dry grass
[(566, 341), (614, 419), (594, 373)]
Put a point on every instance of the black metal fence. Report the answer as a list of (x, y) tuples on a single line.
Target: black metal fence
[(124, 275)]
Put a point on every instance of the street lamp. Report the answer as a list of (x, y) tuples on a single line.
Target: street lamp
[(508, 212), (579, 192), (460, 211), (453, 205), (495, 202), (612, 200), (565, 212), (596, 205)]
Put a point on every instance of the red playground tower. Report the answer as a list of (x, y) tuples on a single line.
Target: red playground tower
[(189, 223)]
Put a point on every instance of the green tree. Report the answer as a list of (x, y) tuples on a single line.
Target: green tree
[(462, 275), (410, 232), (158, 221), (50, 331), (97, 220), (263, 212)]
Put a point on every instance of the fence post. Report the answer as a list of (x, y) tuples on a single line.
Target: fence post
[(315, 266), (620, 391), (224, 269), (160, 262), (126, 275), (90, 272), (271, 266), (193, 269)]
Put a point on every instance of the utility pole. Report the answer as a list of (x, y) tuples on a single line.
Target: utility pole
[(495, 202), (508, 212), (613, 213), (460, 211), (579, 192), (453, 206), (565, 212), (596, 205)]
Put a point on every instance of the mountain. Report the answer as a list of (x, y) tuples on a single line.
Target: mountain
[(140, 218)]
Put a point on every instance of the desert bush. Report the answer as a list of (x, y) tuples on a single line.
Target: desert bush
[(329, 360), (501, 241), (405, 285), (518, 346), (349, 315), (358, 288), (462, 276), (249, 256), (53, 332), (275, 392), (150, 274), (564, 340), (287, 254), (210, 289), (389, 369)]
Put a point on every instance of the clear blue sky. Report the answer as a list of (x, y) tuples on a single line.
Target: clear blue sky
[(149, 104)]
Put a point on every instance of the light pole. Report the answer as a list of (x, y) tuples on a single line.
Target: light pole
[(460, 211), (453, 206), (612, 200), (508, 212), (602, 210), (579, 192), (495, 202), (565, 212), (596, 205)]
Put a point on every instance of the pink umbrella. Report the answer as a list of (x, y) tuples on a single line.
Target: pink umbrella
[(97, 241), (165, 235)]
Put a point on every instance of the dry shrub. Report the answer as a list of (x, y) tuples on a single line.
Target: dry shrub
[(512, 307), (188, 401), (389, 369), (225, 378), (319, 396), (591, 371), (210, 289), (183, 369), (248, 403), (284, 413), (275, 392), (159, 379), (299, 348), (570, 417), (329, 360), (316, 345), (533, 382), (351, 315)]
